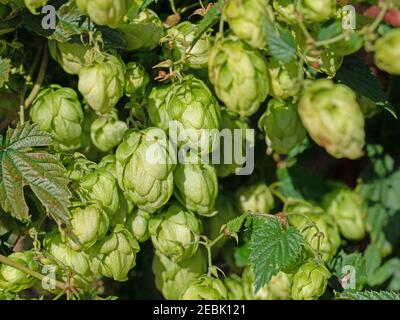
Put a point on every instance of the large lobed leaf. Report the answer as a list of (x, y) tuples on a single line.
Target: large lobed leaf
[(273, 248), (25, 162)]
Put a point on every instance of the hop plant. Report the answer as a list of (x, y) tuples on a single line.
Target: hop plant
[(58, 111), (282, 126), (179, 44), (136, 80), (107, 131), (239, 75), (324, 237), (14, 280), (254, 198), (387, 52), (196, 187), (310, 281), (191, 109), (101, 186), (206, 288), (72, 57), (145, 168), (137, 223), (115, 255), (104, 12), (175, 232), (284, 79), (317, 11), (333, 118), (88, 225), (173, 278), (143, 31), (248, 20), (349, 212), (102, 82)]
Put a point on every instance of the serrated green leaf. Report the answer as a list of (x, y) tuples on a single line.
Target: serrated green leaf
[(236, 224), (24, 161), (280, 42), (355, 74), (273, 248), (369, 295), (210, 19), (5, 69)]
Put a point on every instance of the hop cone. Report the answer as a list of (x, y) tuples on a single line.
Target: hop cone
[(254, 198), (206, 288), (387, 52)]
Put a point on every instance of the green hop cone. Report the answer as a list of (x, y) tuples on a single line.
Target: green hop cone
[(107, 131), (282, 126), (349, 211), (109, 163), (248, 19), (317, 10), (136, 80), (145, 168), (72, 57), (14, 280), (102, 82), (33, 5), (387, 52), (143, 31), (104, 12), (239, 75), (310, 281), (77, 261), (137, 223), (248, 287), (206, 288), (329, 242), (58, 111), (280, 286), (196, 187), (286, 11), (115, 255), (254, 198), (78, 166), (173, 278), (190, 109), (233, 284), (284, 79), (179, 40), (333, 118), (175, 232), (235, 129), (101, 186), (88, 225)]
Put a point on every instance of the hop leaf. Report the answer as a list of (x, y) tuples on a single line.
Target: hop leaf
[(273, 248), (370, 295), (25, 162)]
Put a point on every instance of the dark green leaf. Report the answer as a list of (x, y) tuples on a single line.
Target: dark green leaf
[(281, 43), (236, 224), (273, 248), (5, 69), (369, 295)]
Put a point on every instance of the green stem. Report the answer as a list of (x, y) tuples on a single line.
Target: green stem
[(37, 275), (380, 17), (173, 7), (331, 40)]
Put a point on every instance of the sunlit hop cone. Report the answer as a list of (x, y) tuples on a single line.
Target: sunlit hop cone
[(175, 232), (107, 131), (282, 126), (239, 75), (137, 223), (115, 255), (72, 57), (179, 44), (104, 12), (136, 80), (102, 82), (310, 281), (248, 20), (143, 31), (88, 225), (256, 198), (317, 10), (206, 288), (173, 278), (333, 118), (286, 11), (58, 111), (349, 211), (196, 187), (387, 52), (145, 168), (14, 280)]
